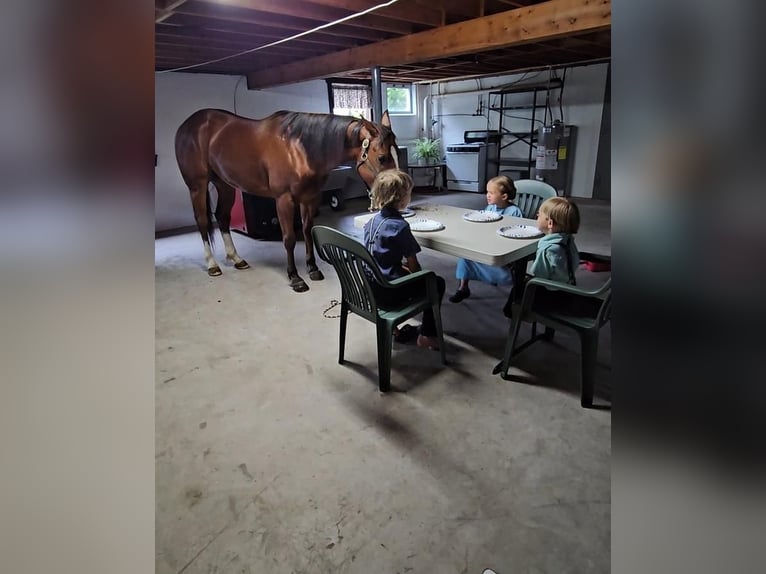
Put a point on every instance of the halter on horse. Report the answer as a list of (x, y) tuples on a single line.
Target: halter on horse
[(287, 156)]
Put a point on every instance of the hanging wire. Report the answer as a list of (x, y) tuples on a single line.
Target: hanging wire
[(524, 76), (300, 35), (522, 118), (561, 95), (548, 96), (333, 303), (239, 81)]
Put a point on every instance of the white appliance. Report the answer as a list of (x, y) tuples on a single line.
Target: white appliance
[(470, 162)]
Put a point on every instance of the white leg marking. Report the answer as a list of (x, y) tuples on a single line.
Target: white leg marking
[(209, 255), (231, 252)]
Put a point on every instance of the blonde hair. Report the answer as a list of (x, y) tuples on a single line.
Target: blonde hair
[(506, 186), (389, 188), (564, 214)]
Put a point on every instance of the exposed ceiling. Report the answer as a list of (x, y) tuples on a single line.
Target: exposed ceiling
[(410, 40)]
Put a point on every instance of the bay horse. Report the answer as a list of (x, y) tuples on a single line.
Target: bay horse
[(287, 156)]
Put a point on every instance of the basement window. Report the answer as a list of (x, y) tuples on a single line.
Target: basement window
[(399, 99), (351, 100), (354, 98)]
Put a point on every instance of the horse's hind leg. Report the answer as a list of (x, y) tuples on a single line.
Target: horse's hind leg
[(308, 208), (223, 216), (199, 198), (286, 214)]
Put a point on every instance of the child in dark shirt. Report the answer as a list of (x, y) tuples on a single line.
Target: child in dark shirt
[(390, 241)]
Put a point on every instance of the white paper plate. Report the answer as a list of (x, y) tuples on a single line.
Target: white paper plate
[(482, 216), (520, 232), (421, 224), (407, 213)]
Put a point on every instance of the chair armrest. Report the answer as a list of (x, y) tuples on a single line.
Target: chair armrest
[(418, 275), (567, 288), (425, 277), (531, 288)]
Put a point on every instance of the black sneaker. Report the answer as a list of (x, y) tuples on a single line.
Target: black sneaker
[(460, 294), (407, 334)]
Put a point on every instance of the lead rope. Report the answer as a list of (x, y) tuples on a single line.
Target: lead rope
[(333, 303), (360, 162)]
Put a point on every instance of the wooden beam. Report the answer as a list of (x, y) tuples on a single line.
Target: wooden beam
[(294, 9), (552, 19), (272, 21), (515, 4), (321, 14), (259, 35), (214, 50), (464, 8), (409, 13)]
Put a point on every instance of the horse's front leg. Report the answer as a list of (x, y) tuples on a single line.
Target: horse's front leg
[(308, 209), (286, 214)]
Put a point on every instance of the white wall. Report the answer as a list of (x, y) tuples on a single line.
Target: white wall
[(406, 130), (178, 95), (583, 105), (454, 103)]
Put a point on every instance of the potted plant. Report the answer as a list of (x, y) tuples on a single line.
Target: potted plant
[(427, 150)]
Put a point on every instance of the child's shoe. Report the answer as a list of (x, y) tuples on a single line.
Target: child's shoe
[(406, 334), (430, 343), (460, 294)]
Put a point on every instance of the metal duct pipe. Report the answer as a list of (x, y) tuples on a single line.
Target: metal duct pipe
[(427, 116), (499, 86), (471, 91)]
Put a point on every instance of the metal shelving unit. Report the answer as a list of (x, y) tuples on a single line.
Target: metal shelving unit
[(503, 102)]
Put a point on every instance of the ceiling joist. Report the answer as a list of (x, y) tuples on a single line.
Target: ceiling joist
[(419, 14), (535, 23), (294, 25), (322, 14)]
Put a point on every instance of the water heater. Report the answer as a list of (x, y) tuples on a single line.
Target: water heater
[(554, 157)]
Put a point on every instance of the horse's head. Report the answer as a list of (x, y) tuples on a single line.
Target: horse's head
[(378, 150)]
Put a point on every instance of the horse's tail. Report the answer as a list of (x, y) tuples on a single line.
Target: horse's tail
[(209, 209)]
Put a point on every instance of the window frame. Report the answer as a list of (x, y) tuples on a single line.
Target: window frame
[(353, 81), (413, 105), (347, 81)]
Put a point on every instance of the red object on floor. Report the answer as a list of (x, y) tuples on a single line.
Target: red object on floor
[(238, 221), (596, 266)]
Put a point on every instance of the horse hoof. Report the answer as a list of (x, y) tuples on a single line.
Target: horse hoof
[(242, 265), (214, 271), (316, 275), (299, 285)]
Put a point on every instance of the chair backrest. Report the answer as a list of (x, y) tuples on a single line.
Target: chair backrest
[(530, 194), (349, 258)]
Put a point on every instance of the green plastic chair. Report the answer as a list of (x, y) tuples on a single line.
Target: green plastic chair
[(530, 194), (349, 258), (592, 311)]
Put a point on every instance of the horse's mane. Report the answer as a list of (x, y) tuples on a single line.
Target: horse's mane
[(323, 136)]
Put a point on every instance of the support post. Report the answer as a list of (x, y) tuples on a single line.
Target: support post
[(377, 95)]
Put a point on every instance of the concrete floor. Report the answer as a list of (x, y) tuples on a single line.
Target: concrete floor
[(272, 457)]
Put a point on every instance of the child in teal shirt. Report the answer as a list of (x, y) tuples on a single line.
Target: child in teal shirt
[(557, 257)]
